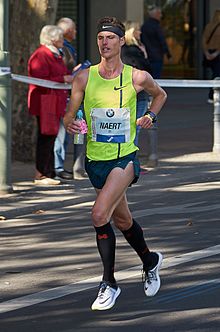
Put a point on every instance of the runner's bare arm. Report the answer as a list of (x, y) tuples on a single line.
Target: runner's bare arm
[(77, 94), (144, 81)]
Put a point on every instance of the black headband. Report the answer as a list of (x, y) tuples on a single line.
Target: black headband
[(111, 28)]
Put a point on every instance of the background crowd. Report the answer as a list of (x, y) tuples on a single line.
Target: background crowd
[(56, 60)]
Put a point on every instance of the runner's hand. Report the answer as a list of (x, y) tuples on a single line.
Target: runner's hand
[(144, 122), (73, 127)]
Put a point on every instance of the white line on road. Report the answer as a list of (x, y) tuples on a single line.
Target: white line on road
[(55, 293), (174, 209)]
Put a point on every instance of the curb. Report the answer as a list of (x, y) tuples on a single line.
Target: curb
[(26, 201)]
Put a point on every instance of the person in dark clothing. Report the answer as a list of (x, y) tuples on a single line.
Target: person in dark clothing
[(154, 41), (134, 53)]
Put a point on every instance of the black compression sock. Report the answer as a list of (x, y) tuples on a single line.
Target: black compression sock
[(105, 238), (135, 237)]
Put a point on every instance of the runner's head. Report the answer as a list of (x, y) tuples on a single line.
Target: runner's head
[(111, 24), (110, 36)]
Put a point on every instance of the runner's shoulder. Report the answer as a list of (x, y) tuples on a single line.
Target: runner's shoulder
[(82, 77), (140, 76)]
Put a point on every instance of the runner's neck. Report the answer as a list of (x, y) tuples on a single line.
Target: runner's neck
[(110, 69)]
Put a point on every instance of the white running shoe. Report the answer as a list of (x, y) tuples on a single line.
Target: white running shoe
[(106, 298), (152, 278)]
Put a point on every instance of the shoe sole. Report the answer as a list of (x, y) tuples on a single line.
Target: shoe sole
[(157, 275), (79, 177), (40, 183), (111, 304)]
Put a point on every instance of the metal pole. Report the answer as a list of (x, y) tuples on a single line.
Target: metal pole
[(216, 145), (5, 104)]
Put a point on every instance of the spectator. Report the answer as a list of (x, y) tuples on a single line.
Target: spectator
[(211, 48), (133, 53), (154, 40), (48, 105), (70, 59)]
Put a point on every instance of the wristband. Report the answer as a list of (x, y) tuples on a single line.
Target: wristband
[(151, 115)]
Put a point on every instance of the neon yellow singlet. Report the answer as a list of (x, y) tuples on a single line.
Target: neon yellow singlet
[(114, 95)]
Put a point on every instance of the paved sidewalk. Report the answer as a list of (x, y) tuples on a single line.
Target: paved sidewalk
[(185, 138), (28, 198)]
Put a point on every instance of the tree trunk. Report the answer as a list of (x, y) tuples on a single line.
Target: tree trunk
[(27, 17)]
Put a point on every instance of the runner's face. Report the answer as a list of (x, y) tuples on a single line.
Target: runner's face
[(109, 44)]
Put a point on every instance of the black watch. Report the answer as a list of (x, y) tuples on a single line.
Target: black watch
[(152, 115)]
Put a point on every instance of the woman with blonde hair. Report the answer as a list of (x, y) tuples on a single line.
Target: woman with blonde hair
[(134, 54)]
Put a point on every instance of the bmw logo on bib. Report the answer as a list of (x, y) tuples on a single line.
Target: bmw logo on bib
[(110, 113)]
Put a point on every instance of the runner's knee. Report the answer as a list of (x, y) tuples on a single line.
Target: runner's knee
[(99, 216)]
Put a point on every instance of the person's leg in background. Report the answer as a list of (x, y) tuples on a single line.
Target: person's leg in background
[(142, 106), (45, 172), (79, 172), (156, 71), (142, 103), (60, 146), (79, 161), (153, 138)]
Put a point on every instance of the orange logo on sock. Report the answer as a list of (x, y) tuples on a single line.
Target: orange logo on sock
[(102, 236)]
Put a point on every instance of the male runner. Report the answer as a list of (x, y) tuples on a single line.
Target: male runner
[(109, 90)]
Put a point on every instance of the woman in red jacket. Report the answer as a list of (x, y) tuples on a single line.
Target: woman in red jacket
[(48, 105)]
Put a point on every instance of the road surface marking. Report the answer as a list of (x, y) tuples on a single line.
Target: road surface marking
[(181, 208), (55, 293), (199, 288)]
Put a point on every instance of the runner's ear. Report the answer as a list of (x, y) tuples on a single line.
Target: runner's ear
[(122, 41)]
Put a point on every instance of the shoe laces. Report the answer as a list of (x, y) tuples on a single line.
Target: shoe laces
[(149, 276), (104, 290)]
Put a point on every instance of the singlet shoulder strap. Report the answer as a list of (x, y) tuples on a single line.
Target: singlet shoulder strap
[(126, 73)]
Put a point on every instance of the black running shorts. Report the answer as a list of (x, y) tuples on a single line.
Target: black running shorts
[(98, 171)]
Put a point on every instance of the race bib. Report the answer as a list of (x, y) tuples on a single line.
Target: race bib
[(110, 125)]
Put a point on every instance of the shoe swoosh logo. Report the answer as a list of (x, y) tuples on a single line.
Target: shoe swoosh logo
[(119, 87), (105, 300)]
